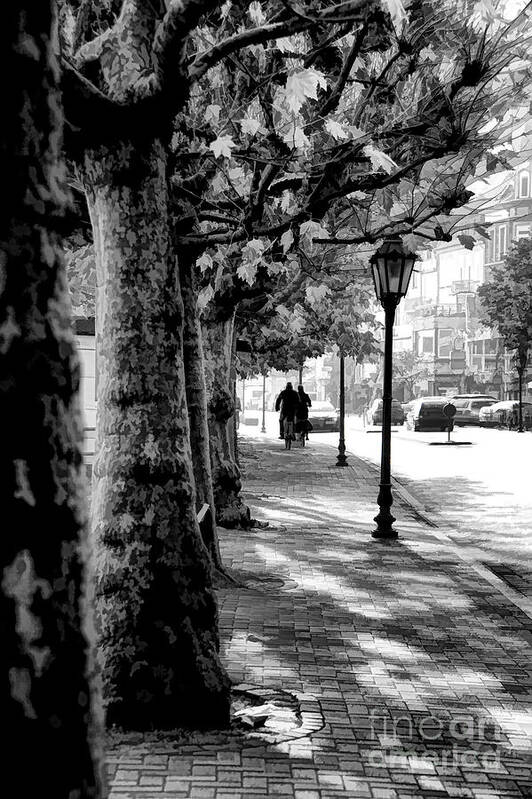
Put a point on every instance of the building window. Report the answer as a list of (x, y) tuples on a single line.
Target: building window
[(500, 242), (524, 184), (522, 232), (444, 343), (425, 344)]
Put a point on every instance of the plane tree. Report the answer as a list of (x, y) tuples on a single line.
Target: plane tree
[(127, 71), (49, 700)]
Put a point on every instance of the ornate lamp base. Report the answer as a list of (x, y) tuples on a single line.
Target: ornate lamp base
[(341, 459), (384, 518)]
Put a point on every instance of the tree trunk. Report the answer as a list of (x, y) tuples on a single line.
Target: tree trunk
[(520, 428), (218, 340), (197, 407), (157, 609), (48, 703)]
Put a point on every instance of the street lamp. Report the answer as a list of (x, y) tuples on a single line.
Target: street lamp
[(341, 459), (392, 267)]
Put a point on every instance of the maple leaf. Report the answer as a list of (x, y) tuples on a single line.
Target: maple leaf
[(413, 242), (297, 324), (467, 241), (358, 195), (379, 160), (355, 132), (204, 262), (310, 230), (276, 268), (286, 201), (336, 130), (256, 14), (254, 248), (247, 271), (303, 85), (396, 10), (204, 297), (212, 113), (287, 240), (249, 125), (240, 179), (225, 9), (222, 146), (315, 294), (397, 209)]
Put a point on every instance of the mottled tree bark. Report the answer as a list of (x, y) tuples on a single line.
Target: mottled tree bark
[(218, 333), (156, 604), (48, 715), (197, 406)]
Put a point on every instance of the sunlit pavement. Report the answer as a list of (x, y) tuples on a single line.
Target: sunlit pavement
[(480, 494), (418, 666)]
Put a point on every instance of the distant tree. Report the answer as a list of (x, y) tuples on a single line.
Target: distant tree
[(408, 368), (506, 304)]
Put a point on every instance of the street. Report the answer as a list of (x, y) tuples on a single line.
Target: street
[(480, 493)]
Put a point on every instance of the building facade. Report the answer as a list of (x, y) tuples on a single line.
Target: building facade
[(438, 321)]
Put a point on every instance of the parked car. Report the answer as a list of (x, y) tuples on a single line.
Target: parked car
[(375, 412), (324, 417), (472, 396), (427, 414), (505, 414), (467, 410)]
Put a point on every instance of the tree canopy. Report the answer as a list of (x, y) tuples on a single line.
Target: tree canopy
[(506, 300)]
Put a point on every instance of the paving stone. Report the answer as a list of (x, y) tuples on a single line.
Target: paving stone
[(415, 669)]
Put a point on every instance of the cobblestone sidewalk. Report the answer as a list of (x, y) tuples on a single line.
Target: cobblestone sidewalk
[(412, 673)]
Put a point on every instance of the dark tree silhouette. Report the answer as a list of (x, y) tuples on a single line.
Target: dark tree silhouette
[(47, 701)]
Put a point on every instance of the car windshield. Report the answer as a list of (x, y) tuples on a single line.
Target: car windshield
[(481, 403), (322, 406)]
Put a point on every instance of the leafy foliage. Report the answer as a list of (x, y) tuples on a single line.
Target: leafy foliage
[(409, 368), (506, 300), (81, 275)]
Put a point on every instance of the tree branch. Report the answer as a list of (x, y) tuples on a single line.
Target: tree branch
[(171, 35), (276, 30)]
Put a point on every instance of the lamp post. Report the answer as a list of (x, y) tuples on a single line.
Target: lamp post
[(263, 428), (392, 267), (341, 459)]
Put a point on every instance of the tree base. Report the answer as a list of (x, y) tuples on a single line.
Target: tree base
[(234, 515), (192, 710)]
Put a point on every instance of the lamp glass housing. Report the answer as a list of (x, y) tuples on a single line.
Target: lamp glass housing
[(392, 267)]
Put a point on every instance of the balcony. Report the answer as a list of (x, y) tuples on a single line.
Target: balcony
[(464, 286), (439, 310)]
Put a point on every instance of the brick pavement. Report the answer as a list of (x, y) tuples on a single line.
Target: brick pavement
[(414, 670)]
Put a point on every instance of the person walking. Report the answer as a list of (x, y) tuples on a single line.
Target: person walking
[(302, 423), (287, 403)]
